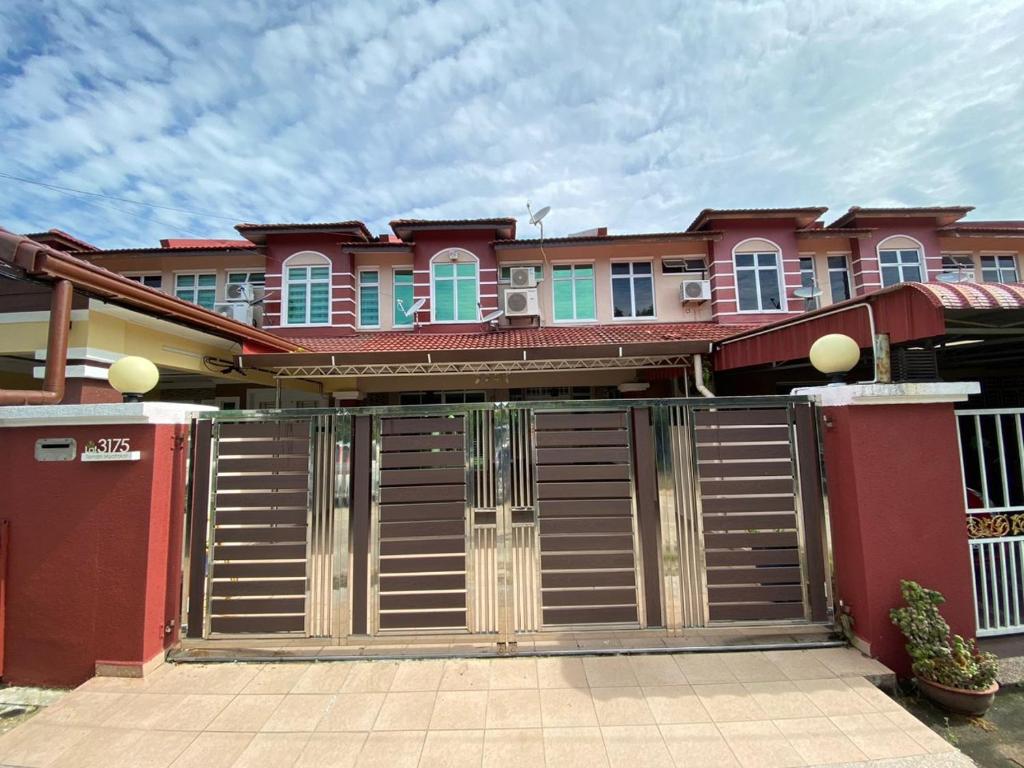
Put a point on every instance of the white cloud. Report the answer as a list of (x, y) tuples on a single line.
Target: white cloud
[(632, 115)]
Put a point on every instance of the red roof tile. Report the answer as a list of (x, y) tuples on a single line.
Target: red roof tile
[(520, 338), (199, 243)]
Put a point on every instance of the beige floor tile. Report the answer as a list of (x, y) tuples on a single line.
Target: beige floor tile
[(299, 712), (322, 677), (704, 668), (752, 667), (276, 678), (452, 749), (391, 749), (513, 709), (848, 662), (819, 741), (799, 665), (574, 748), (877, 736), (635, 746), (370, 677), (352, 712), (873, 695), (561, 672), (221, 678), (621, 706), (656, 670), (564, 707), (834, 697), (782, 700), (87, 708), (675, 704), (272, 750), (331, 750), (699, 745), (142, 710), (459, 710), (514, 747), (759, 744), (422, 675), (729, 702), (213, 750), (40, 744), (608, 671), (194, 713), (117, 748), (246, 713), (931, 741), (512, 674), (405, 711), (465, 675)]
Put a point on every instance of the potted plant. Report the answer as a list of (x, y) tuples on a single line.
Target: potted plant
[(951, 671)]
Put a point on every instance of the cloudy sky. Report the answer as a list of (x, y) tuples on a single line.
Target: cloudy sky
[(628, 113)]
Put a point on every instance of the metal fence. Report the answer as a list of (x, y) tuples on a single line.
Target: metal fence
[(992, 459)]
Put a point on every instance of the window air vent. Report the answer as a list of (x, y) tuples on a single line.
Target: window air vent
[(910, 365)]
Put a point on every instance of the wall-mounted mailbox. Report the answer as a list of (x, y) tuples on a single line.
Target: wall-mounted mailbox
[(56, 449)]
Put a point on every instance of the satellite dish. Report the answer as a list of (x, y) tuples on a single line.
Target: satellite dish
[(959, 276), (538, 217), (491, 316), (807, 292), (417, 306)]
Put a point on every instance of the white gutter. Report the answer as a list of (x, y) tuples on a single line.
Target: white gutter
[(698, 377)]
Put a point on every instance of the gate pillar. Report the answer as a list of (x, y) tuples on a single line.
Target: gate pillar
[(896, 504)]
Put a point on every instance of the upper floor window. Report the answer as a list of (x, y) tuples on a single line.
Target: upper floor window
[(155, 280), (679, 265), (199, 288), (999, 269), (308, 289), (839, 278), (632, 289), (403, 297), (252, 278), (758, 280), (505, 272), (572, 290), (456, 292), (369, 298), (900, 260), (808, 280), (953, 262)]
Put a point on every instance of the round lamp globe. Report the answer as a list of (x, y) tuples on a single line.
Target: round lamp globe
[(133, 376), (834, 354)]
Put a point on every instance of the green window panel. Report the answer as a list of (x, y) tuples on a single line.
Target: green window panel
[(573, 292), (369, 298), (404, 297), (456, 293), (309, 295), (199, 289)]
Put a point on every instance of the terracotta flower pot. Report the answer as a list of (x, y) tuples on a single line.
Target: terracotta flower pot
[(959, 700)]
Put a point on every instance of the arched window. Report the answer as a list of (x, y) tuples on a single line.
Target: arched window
[(900, 260), (307, 289), (758, 265), (454, 287)]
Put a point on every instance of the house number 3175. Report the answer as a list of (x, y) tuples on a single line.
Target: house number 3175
[(113, 445)]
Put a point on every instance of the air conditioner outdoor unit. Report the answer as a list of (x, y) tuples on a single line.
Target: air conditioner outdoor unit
[(238, 292), (695, 290), (521, 302), (522, 277), (235, 310)]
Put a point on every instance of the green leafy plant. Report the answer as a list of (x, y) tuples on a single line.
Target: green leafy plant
[(935, 655)]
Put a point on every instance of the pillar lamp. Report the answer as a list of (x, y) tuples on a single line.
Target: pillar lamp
[(133, 377), (835, 354)]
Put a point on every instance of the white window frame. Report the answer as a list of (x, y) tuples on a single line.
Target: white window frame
[(136, 275), (326, 262), (359, 298), (632, 291), (573, 263), (829, 269), (922, 260), (739, 250), (394, 316), (195, 288), (436, 259), (996, 255), (247, 273), (686, 265), (813, 303)]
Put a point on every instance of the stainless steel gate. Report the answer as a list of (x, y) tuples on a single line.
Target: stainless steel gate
[(500, 519)]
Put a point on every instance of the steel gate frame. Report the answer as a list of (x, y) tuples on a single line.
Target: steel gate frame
[(680, 550)]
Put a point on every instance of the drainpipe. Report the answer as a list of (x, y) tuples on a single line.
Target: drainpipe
[(698, 377), (56, 354)]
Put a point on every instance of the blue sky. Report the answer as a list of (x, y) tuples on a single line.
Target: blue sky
[(632, 115)]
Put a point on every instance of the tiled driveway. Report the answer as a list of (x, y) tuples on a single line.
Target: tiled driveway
[(786, 708)]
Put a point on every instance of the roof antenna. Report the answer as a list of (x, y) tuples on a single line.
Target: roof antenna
[(537, 219)]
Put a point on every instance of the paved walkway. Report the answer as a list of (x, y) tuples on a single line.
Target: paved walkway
[(786, 708)]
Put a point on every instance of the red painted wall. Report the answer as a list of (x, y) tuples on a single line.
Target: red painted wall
[(896, 509), (864, 252), (478, 243), (95, 552)]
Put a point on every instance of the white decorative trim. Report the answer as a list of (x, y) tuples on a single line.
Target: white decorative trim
[(74, 372), (85, 353), (891, 394), (41, 316), (100, 413)]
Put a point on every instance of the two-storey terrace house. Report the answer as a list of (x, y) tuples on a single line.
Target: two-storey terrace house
[(456, 310)]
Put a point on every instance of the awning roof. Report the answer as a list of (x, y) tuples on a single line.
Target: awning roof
[(906, 312)]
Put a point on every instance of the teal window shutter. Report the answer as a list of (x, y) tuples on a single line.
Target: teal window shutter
[(404, 297), (573, 292), (309, 295), (369, 298)]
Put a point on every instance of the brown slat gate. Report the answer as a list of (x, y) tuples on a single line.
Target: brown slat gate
[(587, 518)]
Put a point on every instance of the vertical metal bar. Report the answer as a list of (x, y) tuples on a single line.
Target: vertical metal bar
[(1004, 478), (700, 566), (311, 494), (983, 573), (974, 584), (470, 441), (373, 619), (638, 554), (342, 510), (503, 525), (798, 505), (1017, 552), (211, 528), (1020, 448), (1004, 551), (981, 461), (993, 573), (670, 557), (534, 562)]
